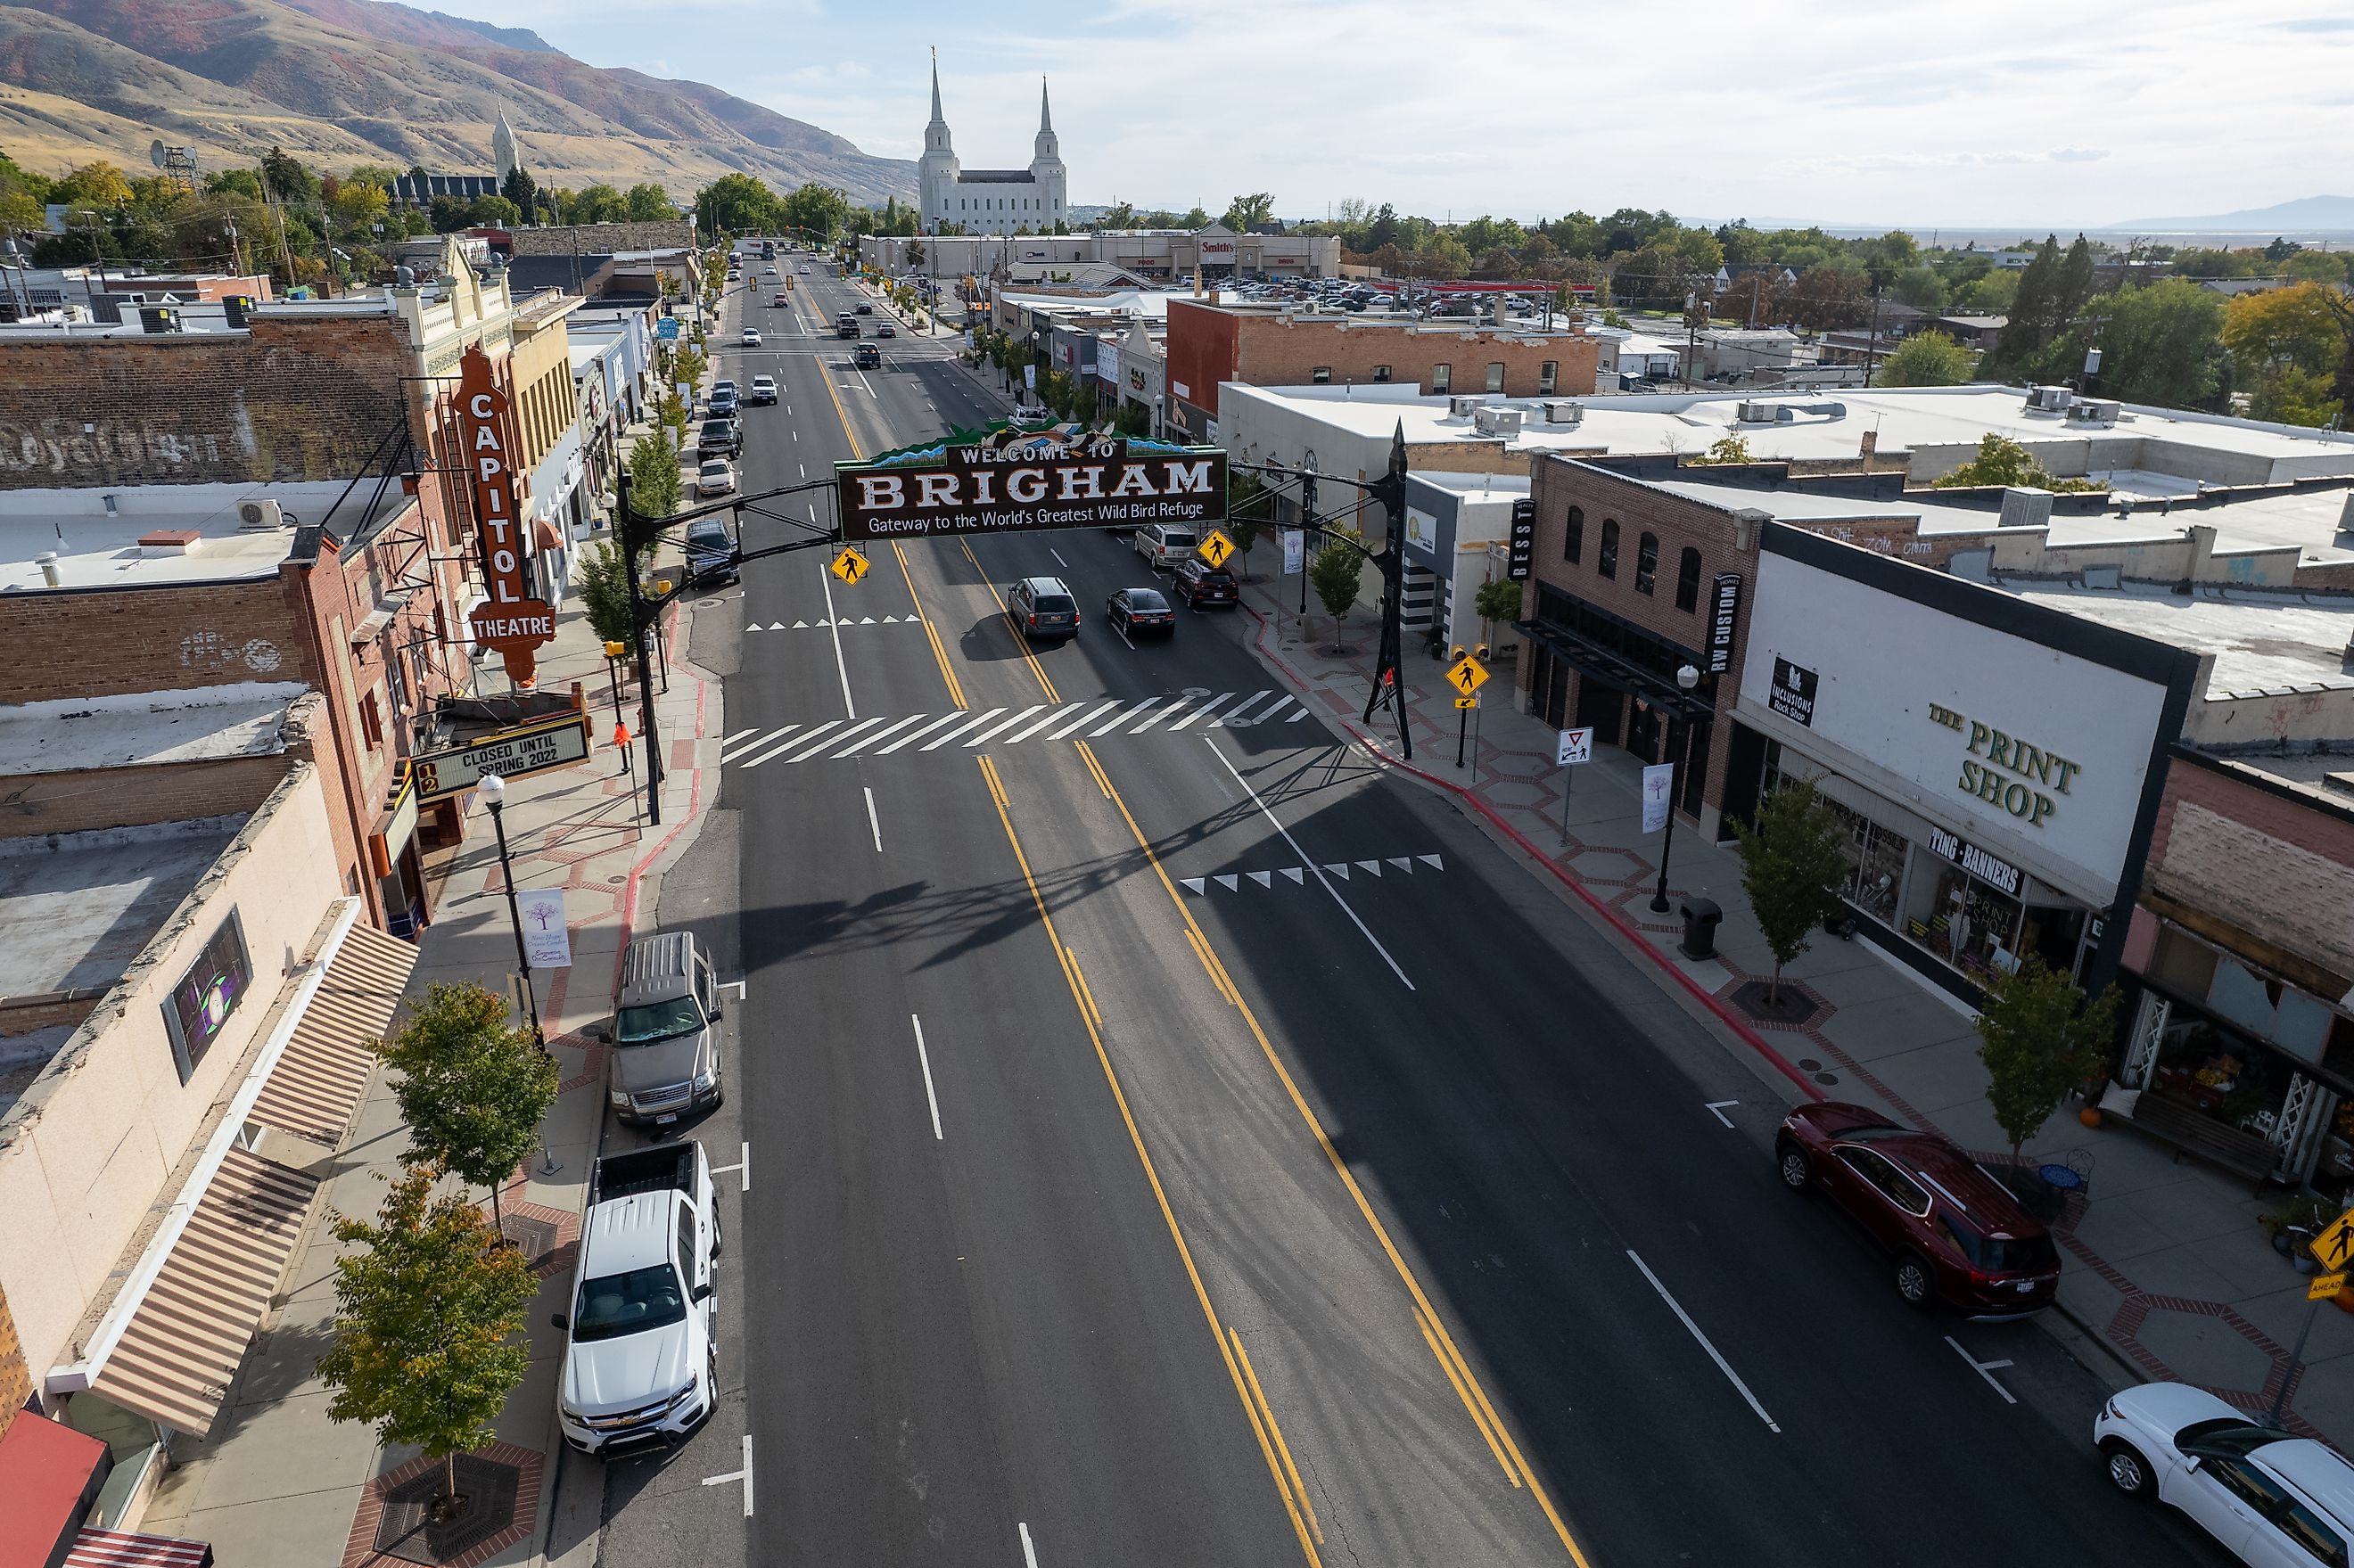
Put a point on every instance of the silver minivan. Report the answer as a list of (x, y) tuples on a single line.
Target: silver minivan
[(666, 1031)]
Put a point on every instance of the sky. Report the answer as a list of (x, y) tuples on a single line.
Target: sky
[(2005, 111)]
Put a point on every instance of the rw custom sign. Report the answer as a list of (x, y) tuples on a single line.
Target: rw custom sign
[(1009, 482), (511, 619)]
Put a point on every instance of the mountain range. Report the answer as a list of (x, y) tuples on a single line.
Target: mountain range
[(341, 82), (2307, 214)]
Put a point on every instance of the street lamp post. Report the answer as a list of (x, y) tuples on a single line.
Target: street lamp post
[(1687, 677), (494, 794), (1308, 520)]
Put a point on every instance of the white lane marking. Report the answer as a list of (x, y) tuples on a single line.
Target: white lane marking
[(1211, 741), (1716, 1109), (1984, 1369), (1005, 723), (726, 756), (804, 468), (871, 821), (1204, 711), (920, 734), (1721, 1364), (825, 580), (930, 1098), (744, 1475), (804, 756), (1058, 558), (742, 988), (1029, 1553), (1079, 723), (979, 718), (1123, 637), (878, 735), (1163, 714), (1042, 723)]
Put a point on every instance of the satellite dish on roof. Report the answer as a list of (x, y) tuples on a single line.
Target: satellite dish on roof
[(155, 152)]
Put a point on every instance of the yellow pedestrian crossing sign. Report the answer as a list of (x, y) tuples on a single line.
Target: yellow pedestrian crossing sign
[(1467, 674), (849, 565), (2335, 1246), (1467, 702), (1215, 547), (2323, 1286)]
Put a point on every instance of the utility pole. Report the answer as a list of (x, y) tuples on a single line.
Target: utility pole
[(1872, 344), (627, 522)]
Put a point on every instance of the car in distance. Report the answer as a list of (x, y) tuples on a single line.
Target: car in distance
[(2271, 1497), (717, 476), (1140, 612), (764, 389), (1955, 1234), (780, 299), (1165, 543), (866, 356), (1043, 606), (1036, 418), (845, 325), (751, 337), (1196, 583), (884, 329), (710, 548), (866, 310), (719, 437)]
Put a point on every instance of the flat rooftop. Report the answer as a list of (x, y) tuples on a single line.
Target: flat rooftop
[(96, 549), (2262, 642), (201, 724)]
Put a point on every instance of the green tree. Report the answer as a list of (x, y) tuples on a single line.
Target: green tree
[(98, 185), (2295, 346), (288, 177), (648, 203), (819, 209), (735, 204), (1334, 573), (1991, 293), (2002, 460), (1792, 861), (605, 590), (2039, 1041), (654, 488), (493, 212), (1926, 359), (473, 1088), (521, 190), (2163, 345), (1193, 218), (429, 1323), (1117, 215), (1727, 451), (2316, 267), (1497, 602), (2052, 291), (598, 203), (358, 203), (1246, 213)]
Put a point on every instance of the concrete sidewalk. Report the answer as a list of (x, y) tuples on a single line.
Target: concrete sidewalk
[(2167, 1267), (277, 1482)]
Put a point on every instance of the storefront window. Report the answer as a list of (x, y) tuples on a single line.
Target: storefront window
[(1967, 922), (2206, 1069), (1875, 865)]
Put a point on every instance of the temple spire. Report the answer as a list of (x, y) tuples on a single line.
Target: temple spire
[(1045, 117), (937, 116)]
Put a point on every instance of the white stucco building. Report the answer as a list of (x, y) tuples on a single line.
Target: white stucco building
[(991, 201)]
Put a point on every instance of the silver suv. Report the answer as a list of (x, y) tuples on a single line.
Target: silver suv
[(665, 1031), (1043, 606)]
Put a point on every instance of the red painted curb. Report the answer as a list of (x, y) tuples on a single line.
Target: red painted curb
[(1618, 922)]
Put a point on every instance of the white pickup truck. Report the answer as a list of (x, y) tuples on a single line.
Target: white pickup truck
[(640, 1352)]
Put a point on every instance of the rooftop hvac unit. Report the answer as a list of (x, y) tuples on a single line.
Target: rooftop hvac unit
[(1563, 412), (1497, 421), (158, 318), (1755, 414), (2051, 400), (1458, 407), (2093, 411), (259, 516)]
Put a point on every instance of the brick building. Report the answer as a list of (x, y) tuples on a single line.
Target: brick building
[(1281, 345)]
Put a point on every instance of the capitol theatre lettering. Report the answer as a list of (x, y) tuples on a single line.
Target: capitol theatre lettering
[(509, 619)]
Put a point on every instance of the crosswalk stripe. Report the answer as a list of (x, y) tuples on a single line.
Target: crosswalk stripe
[(1005, 723), (1125, 718), (1163, 714), (1212, 706), (1235, 717), (1279, 705), (918, 735), (878, 735), (830, 742), (1080, 723), (1042, 723), (947, 736), (804, 738), (1296, 717), (726, 741), (772, 735)]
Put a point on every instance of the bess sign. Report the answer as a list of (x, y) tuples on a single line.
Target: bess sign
[(510, 619), (1008, 482)]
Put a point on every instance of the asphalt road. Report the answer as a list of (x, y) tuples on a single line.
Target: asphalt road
[(1179, 1143)]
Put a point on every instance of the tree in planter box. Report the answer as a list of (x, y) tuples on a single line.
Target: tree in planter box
[(1498, 601), (1791, 862), (2038, 1039)]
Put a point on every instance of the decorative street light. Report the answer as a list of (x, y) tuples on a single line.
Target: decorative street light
[(1687, 677), (494, 794)]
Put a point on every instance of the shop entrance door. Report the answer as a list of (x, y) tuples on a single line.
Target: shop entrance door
[(1602, 708)]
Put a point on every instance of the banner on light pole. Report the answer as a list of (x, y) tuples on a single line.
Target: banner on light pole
[(1295, 551), (546, 941), (1658, 785)]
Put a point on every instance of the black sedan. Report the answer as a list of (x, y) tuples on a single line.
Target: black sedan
[(1198, 583), (1140, 612)]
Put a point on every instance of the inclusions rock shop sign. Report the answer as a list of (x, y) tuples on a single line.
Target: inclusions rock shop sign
[(1011, 484)]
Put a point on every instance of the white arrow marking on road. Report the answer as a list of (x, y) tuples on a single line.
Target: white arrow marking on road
[(1264, 879), (1716, 1109), (1231, 883), (1195, 882), (1431, 860), (1296, 874)]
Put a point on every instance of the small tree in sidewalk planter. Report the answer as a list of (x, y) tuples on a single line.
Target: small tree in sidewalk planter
[(1498, 600), (429, 1319), (655, 487), (2038, 1039), (1791, 862), (605, 591), (1334, 573), (473, 1088)]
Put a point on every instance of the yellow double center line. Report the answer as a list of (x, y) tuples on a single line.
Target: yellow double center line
[(1271, 1445)]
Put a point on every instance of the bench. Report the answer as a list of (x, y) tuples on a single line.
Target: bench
[(2244, 1154)]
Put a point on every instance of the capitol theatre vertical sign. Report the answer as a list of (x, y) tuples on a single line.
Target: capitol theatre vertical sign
[(509, 619)]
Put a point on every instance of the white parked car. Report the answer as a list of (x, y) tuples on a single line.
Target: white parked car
[(751, 337), (2271, 1498), (715, 477)]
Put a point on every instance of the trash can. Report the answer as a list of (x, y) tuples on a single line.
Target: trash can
[(1701, 916)]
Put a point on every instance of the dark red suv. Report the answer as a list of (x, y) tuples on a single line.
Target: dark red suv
[(1957, 1236), (1196, 583)]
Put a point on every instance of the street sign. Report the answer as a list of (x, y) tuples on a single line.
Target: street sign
[(1215, 547), (1522, 548), (1005, 482), (2324, 1286), (849, 565), (1572, 746), (2335, 1246), (1467, 702), (1467, 674)]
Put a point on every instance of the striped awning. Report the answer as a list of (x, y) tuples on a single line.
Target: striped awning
[(181, 1348), (122, 1548), (318, 1082)]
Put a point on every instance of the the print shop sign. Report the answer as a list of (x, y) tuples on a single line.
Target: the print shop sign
[(1012, 484), (2004, 771)]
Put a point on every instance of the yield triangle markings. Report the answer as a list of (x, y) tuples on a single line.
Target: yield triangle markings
[(890, 620), (1194, 883), (756, 626), (1231, 883), (868, 621), (1264, 879), (1372, 867), (1338, 868), (820, 621), (1297, 875), (800, 626), (1402, 862), (1431, 860), (776, 626)]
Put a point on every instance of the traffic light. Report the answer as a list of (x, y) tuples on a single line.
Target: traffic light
[(1455, 653), (1480, 652)]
